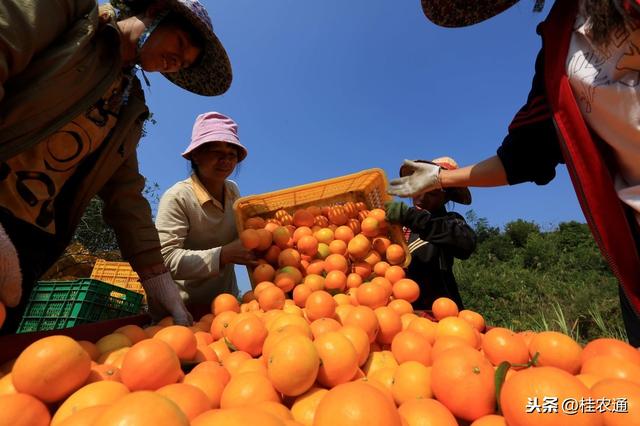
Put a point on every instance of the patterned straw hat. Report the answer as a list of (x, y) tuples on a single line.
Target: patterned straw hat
[(211, 74), (461, 13), (458, 195)]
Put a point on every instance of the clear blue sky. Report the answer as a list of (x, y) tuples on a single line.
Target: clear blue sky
[(323, 89)]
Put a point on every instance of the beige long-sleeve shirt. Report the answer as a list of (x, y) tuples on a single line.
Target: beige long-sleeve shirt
[(193, 227)]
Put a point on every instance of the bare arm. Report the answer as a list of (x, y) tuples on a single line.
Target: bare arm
[(489, 172)]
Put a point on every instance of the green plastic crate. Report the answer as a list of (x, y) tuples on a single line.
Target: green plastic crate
[(61, 304)]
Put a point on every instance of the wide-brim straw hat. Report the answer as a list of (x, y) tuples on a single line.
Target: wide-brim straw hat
[(460, 195), (462, 13)]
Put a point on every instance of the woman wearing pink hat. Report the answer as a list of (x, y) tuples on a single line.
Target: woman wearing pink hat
[(196, 221), (71, 115), (582, 110)]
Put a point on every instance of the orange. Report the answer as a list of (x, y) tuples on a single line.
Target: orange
[(308, 245), (211, 385), (389, 322), (444, 343), (51, 368), (324, 235), (409, 345), (253, 365), (220, 324), (395, 254), (379, 214), (250, 239), (112, 341), (282, 237), (272, 254), (293, 365), (213, 369), (99, 393), (337, 215), (86, 416), (614, 347), (232, 361), (463, 380), (381, 268), (618, 389), (191, 400), (289, 257), (149, 365), (272, 298), (339, 359), (360, 341), (358, 247), (406, 289), (275, 408), (180, 339), (384, 283), (283, 217), (203, 337), (444, 307), (265, 238), (528, 388), (254, 223), (303, 217), (220, 347), (335, 280), (372, 258), (134, 332), (248, 335), (363, 269), (320, 304), (371, 295), (384, 376), (426, 412), (500, 344), (342, 299), (356, 403), (343, 310), (321, 221), (21, 409), (556, 350), (457, 327), (143, 408), (402, 307), (248, 389), (300, 232), (610, 366), (354, 224), (6, 385), (104, 372), (263, 272), (411, 380), (92, 350), (337, 247), (378, 360), (344, 234), (237, 417), (475, 319), (152, 330), (316, 266), (205, 353), (425, 327), (314, 282), (301, 293), (370, 227), (324, 325), (353, 280), (364, 318), (290, 320), (490, 420), (336, 262), (304, 406)]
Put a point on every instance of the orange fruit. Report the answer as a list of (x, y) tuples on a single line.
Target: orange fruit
[(344, 234), (275, 408), (51, 368), (463, 380), (308, 245), (213, 369), (411, 380), (358, 247), (418, 412), (370, 227), (248, 335), (289, 257), (111, 342), (406, 289), (304, 406), (356, 403), (248, 389), (180, 339), (21, 409), (475, 319), (610, 366), (528, 388), (271, 298), (360, 341), (86, 416), (92, 350), (149, 365), (336, 262), (389, 322), (263, 272), (353, 280), (303, 217), (300, 232), (339, 359), (444, 307), (500, 344), (191, 400), (337, 247), (265, 239), (380, 244), (6, 385), (409, 345), (343, 310), (282, 238), (152, 330), (614, 347), (211, 385), (372, 258), (395, 254), (250, 239), (337, 215), (253, 365), (143, 408), (425, 327), (490, 420), (293, 365), (324, 325), (205, 353), (232, 361), (364, 318), (363, 269), (203, 337), (381, 268), (255, 223), (444, 343), (371, 295), (457, 327), (106, 372), (623, 390), (237, 417), (402, 307), (320, 304), (301, 293), (556, 350), (272, 254), (378, 360), (220, 324), (99, 393)]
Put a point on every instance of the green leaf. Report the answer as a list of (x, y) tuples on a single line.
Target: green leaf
[(500, 375)]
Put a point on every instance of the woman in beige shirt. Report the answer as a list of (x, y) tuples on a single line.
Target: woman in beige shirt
[(195, 218)]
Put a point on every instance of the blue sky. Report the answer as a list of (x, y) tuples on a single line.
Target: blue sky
[(323, 89)]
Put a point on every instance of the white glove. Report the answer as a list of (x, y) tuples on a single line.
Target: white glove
[(10, 275), (425, 178), (164, 299)]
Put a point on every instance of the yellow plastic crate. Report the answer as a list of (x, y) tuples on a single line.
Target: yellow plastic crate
[(367, 186), (119, 274)]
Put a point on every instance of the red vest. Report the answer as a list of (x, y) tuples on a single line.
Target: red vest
[(589, 172)]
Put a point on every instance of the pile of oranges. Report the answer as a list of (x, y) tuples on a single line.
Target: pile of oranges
[(323, 341)]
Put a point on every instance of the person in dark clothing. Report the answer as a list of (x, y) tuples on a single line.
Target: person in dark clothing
[(435, 238)]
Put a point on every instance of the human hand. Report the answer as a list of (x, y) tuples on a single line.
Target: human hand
[(235, 252), (425, 178), (10, 275), (164, 299), (395, 211)]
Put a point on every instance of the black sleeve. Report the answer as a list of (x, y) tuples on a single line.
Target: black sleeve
[(450, 232), (531, 150)]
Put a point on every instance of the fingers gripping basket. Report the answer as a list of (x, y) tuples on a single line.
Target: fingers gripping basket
[(367, 186)]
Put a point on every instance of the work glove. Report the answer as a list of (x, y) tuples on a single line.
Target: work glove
[(164, 299), (10, 275), (395, 211), (425, 178)]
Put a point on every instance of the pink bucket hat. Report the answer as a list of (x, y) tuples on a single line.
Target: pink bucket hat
[(214, 127)]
